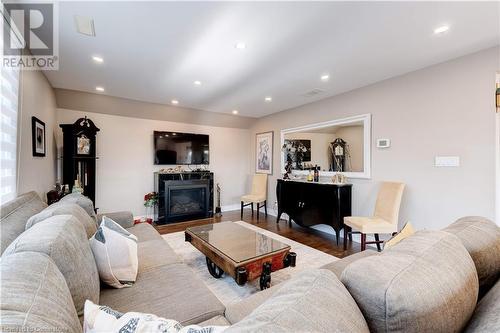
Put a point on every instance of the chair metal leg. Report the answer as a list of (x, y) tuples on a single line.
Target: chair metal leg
[(378, 242), (363, 242), (241, 217), (251, 206), (258, 211), (265, 207)]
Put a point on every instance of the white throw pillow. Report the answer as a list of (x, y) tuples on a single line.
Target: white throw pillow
[(115, 254), (104, 319)]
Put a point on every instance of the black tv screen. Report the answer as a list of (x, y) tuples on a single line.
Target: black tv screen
[(175, 148)]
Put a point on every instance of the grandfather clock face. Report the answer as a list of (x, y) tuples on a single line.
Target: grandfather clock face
[(82, 145)]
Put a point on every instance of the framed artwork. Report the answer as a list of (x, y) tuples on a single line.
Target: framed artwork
[(264, 153), (38, 136), (302, 149)]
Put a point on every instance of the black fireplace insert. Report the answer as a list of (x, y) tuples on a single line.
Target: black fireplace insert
[(184, 196)]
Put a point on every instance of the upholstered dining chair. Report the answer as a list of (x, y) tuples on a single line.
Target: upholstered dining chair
[(383, 221), (258, 195)]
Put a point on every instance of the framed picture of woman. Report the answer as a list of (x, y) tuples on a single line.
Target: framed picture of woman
[(264, 153)]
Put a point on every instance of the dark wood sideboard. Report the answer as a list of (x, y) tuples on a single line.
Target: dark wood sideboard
[(309, 203)]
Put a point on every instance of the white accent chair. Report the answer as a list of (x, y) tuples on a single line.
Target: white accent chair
[(384, 220), (258, 195)]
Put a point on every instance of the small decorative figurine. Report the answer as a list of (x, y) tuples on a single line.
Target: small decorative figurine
[(339, 179)]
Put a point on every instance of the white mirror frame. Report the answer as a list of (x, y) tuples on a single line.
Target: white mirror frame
[(367, 146)]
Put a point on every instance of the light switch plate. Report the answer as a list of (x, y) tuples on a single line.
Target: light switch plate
[(447, 161)]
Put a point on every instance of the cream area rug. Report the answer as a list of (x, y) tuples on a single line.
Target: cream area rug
[(226, 288)]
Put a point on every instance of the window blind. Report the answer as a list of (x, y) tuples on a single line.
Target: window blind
[(9, 109), (8, 140)]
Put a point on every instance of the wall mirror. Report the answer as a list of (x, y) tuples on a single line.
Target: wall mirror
[(342, 145)]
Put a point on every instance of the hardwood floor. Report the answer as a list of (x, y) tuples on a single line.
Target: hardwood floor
[(314, 238)]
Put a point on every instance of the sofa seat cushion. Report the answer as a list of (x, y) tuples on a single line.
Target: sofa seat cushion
[(314, 301), (425, 283), (215, 321), (34, 296), (144, 232), (481, 238), (64, 208), (486, 318), (338, 266), (64, 240), (155, 253), (14, 215), (170, 291)]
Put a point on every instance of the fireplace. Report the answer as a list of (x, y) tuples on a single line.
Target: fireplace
[(186, 199), (184, 196)]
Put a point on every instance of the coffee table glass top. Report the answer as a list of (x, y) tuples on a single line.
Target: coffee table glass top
[(237, 242)]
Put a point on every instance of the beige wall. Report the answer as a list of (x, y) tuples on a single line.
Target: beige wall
[(36, 99), (446, 109), (125, 166)]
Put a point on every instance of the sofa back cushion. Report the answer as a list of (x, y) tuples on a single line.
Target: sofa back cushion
[(64, 240), (425, 283), (34, 296), (82, 201), (481, 238), (314, 301), (14, 215), (63, 208), (486, 318)]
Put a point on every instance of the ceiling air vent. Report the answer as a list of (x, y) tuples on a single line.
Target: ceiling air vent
[(313, 92), (85, 25)]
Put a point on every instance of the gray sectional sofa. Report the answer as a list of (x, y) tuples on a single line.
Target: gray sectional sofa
[(429, 282)]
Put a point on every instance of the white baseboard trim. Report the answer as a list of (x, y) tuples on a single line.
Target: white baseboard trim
[(229, 208)]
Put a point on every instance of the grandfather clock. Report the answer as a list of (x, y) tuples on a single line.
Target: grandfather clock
[(79, 155)]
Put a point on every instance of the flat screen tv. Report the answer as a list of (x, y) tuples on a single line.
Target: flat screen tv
[(174, 148)]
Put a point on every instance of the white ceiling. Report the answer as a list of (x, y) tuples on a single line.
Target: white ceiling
[(153, 51)]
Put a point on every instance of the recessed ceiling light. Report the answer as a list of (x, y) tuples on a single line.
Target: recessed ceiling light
[(101, 89), (98, 59), (197, 83), (441, 29), (235, 111), (240, 46), (325, 77), (268, 99), (174, 101)]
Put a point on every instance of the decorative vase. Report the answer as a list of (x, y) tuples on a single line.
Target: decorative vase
[(149, 214)]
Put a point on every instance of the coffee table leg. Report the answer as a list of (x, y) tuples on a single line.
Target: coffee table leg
[(265, 278), (290, 259), (214, 270), (241, 276)]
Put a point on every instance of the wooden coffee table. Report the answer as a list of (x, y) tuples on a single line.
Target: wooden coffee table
[(240, 252)]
